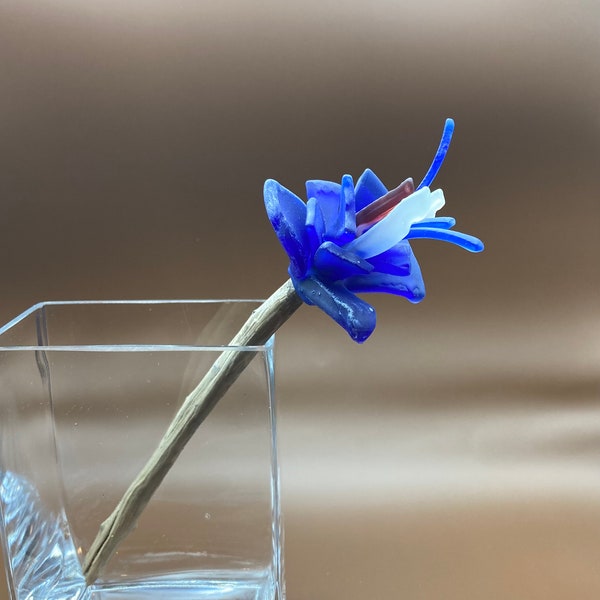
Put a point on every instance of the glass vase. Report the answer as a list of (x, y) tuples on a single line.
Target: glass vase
[(86, 391)]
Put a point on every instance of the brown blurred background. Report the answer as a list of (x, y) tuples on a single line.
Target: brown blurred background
[(456, 454)]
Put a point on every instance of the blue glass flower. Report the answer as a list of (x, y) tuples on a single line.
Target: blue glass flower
[(349, 239)]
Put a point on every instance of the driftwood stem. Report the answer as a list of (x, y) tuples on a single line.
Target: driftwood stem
[(259, 327)]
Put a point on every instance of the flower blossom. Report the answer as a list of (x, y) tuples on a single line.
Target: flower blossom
[(349, 239)]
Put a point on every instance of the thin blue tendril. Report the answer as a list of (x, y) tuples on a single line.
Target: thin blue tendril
[(439, 222), (440, 154), (464, 240)]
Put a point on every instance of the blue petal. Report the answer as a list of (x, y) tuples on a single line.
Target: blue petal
[(368, 189), (315, 225), (468, 242), (353, 314), (395, 261), (439, 155), (410, 286), (348, 212), (287, 214), (327, 194), (333, 263), (441, 222)]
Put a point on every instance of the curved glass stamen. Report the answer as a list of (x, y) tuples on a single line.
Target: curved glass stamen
[(439, 222), (464, 240), (439, 155)]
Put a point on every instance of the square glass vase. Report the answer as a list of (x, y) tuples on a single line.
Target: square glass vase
[(87, 390)]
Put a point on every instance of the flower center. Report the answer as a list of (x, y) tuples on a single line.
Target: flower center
[(377, 210)]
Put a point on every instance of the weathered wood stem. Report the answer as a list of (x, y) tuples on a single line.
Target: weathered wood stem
[(259, 327)]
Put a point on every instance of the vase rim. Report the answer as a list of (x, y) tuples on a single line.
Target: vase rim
[(141, 347)]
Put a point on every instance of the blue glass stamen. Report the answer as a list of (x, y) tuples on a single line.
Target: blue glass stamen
[(439, 222), (440, 154), (468, 242)]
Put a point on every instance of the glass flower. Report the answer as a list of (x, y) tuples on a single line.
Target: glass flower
[(350, 239)]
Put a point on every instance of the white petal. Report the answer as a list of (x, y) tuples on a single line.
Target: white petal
[(394, 227)]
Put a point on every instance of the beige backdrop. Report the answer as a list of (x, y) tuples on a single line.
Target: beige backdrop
[(455, 455)]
